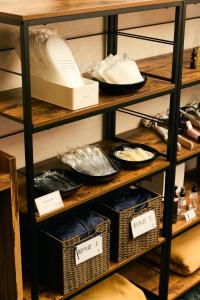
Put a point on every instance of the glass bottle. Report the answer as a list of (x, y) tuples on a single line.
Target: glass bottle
[(193, 197), (182, 204), (175, 206)]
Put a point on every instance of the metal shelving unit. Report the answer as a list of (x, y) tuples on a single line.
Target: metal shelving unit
[(33, 122)]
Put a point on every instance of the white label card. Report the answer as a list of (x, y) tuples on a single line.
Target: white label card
[(143, 223), (49, 202), (89, 249), (190, 214)]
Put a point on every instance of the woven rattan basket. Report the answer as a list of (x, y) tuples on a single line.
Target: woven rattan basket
[(123, 245), (58, 260)]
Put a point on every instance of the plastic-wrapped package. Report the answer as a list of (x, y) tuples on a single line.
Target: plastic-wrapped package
[(136, 154), (116, 69), (89, 160), (52, 60)]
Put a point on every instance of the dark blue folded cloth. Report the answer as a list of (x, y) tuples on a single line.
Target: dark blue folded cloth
[(129, 198), (79, 225)]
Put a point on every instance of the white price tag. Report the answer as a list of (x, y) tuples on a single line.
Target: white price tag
[(190, 214), (49, 202), (89, 249), (143, 223)]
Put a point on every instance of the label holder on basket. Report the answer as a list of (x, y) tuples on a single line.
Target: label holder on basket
[(143, 223)]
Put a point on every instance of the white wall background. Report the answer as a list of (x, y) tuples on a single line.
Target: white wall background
[(87, 50)]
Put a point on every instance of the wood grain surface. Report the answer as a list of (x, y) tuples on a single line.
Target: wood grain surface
[(30, 10), (10, 249), (90, 192), (161, 66), (44, 113), (146, 274), (47, 294)]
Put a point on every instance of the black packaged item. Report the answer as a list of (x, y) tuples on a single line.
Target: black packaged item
[(56, 179)]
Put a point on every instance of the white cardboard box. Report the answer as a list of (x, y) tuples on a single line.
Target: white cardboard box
[(70, 98)]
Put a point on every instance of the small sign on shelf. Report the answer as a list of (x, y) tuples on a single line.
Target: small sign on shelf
[(190, 214), (48, 203)]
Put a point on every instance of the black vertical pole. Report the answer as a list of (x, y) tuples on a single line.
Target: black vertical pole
[(28, 143), (109, 118), (171, 149)]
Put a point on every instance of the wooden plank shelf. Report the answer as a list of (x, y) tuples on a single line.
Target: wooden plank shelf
[(90, 192), (4, 181), (47, 294), (161, 66), (44, 113), (146, 275), (150, 137), (27, 10)]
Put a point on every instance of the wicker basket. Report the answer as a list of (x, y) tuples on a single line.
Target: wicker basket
[(58, 267), (123, 245)]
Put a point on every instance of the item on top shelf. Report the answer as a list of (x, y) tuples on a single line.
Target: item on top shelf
[(175, 206), (193, 60), (112, 88), (52, 60), (135, 155), (131, 210), (182, 204), (116, 286), (57, 179), (74, 250), (117, 74), (55, 77), (91, 162), (198, 57), (193, 197)]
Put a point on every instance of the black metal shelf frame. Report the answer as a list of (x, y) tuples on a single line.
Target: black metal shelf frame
[(109, 122)]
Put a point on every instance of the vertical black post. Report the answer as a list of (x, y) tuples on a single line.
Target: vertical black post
[(171, 149), (28, 143), (109, 118)]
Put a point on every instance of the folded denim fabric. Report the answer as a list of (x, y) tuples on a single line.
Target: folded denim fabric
[(80, 225), (130, 198)]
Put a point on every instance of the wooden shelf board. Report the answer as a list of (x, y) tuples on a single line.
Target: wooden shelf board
[(27, 10), (4, 181), (89, 192), (150, 137), (161, 66), (46, 294), (44, 113), (146, 275)]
